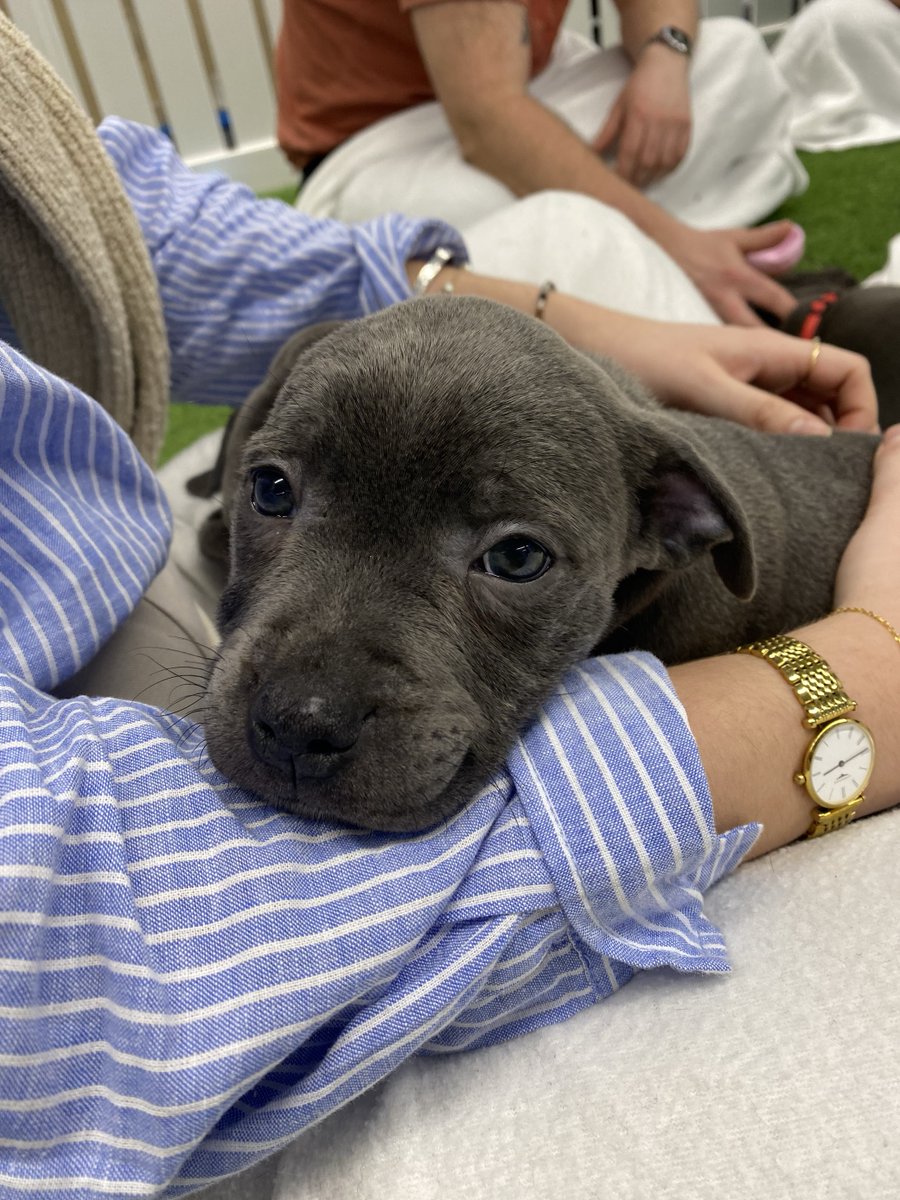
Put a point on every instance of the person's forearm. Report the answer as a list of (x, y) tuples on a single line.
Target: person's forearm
[(640, 19), (749, 728), (529, 149), (585, 326), (238, 275)]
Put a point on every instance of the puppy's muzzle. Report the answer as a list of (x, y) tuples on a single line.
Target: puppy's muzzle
[(305, 733)]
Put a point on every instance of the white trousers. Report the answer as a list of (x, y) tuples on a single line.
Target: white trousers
[(841, 62), (740, 165)]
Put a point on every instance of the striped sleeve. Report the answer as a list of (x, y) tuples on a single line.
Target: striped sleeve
[(84, 525), (190, 978), (609, 783), (238, 275)]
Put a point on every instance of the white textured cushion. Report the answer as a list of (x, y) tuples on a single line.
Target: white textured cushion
[(779, 1080)]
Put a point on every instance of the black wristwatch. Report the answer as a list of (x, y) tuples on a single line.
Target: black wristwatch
[(673, 37)]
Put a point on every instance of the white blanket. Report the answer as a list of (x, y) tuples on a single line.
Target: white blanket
[(779, 1081), (890, 272), (841, 61), (740, 166)]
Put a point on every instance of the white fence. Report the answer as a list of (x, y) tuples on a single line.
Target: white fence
[(599, 20), (202, 69)]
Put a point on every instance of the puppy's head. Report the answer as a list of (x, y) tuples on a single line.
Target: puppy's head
[(442, 509)]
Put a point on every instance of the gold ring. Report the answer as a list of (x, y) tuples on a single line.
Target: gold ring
[(814, 352)]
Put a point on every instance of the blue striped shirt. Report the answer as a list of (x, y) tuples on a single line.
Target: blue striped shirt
[(189, 977)]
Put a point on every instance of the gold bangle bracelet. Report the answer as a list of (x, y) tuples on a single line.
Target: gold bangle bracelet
[(867, 612)]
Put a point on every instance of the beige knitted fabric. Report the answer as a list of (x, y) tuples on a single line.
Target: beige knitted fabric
[(75, 275)]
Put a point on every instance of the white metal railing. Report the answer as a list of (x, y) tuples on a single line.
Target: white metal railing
[(202, 69), (599, 20)]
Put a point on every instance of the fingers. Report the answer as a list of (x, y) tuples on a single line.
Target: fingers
[(759, 288), (611, 129), (886, 473), (764, 292), (843, 380), (677, 148), (731, 306), (868, 573), (771, 381), (632, 150), (759, 409), (751, 287), (761, 237), (830, 381), (650, 150)]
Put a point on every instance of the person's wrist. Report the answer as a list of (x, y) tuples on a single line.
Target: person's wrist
[(860, 654), (663, 58), (448, 280), (655, 222)]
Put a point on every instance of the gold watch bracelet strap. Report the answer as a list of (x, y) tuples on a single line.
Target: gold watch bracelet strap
[(819, 691), (822, 697)]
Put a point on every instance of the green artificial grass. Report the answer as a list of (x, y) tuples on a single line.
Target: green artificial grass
[(187, 422), (849, 211)]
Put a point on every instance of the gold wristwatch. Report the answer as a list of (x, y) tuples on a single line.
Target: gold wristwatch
[(838, 762)]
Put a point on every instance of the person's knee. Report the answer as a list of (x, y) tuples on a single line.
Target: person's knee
[(731, 35), (856, 21)]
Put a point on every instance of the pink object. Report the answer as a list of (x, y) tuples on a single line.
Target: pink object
[(783, 255)]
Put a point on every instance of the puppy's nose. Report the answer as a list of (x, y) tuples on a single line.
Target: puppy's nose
[(310, 735)]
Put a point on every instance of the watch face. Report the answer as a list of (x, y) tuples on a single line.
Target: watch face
[(839, 763)]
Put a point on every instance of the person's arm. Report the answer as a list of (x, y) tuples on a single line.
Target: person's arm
[(755, 376), (478, 57), (238, 275), (650, 123), (748, 722), (639, 20)]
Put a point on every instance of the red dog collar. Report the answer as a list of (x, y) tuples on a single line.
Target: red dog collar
[(817, 310)]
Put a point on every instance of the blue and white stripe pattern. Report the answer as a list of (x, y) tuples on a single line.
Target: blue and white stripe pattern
[(188, 977), (238, 275)]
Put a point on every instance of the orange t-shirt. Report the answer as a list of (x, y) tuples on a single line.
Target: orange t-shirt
[(341, 65)]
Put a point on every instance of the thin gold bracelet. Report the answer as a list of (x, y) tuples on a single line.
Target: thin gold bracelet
[(867, 612)]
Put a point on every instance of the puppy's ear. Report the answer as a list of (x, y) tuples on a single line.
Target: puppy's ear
[(253, 412), (242, 424), (685, 509), (214, 539)]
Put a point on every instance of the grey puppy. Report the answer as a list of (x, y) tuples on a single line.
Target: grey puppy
[(435, 511)]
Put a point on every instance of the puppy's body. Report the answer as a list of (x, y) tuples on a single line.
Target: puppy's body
[(802, 499), (441, 510)]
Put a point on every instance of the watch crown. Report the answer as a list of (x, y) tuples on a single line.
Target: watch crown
[(800, 779)]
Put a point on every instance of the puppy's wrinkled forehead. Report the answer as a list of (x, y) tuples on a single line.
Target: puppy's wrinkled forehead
[(469, 402)]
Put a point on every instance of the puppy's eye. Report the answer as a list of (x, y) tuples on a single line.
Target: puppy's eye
[(517, 559), (271, 493)]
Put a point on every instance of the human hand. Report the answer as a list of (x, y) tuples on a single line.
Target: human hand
[(715, 259), (757, 377), (650, 122), (869, 572)]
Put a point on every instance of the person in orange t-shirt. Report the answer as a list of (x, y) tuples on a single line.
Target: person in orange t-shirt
[(343, 68)]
